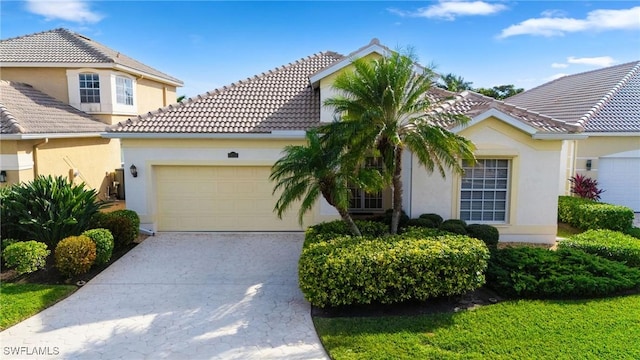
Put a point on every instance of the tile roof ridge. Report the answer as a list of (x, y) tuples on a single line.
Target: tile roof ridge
[(575, 126), (447, 102), (86, 43), (32, 34), (7, 116), (607, 97)]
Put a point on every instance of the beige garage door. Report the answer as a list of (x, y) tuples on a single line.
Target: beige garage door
[(218, 198)]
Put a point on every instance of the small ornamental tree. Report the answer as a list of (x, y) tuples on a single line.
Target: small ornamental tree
[(585, 187)]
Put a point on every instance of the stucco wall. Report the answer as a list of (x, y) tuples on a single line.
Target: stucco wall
[(597, 146), (51, 81), (147, 153), (532, 213)]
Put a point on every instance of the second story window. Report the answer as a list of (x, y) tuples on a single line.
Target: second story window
[(124, 90), (89, 88)]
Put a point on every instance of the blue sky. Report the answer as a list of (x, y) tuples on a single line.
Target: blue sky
[(208, 44)]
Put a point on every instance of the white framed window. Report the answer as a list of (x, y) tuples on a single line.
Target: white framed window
[(484, 191), (362, 200), (124, 90), (89, 85)]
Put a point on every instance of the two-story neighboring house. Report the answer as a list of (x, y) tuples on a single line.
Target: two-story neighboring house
[(65, 72)]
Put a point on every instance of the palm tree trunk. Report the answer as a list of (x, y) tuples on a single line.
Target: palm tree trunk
[(344, 214), (397, 191)]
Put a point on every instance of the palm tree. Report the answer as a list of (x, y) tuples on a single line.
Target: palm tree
[(307, 171), (454, 83), (383, 109)]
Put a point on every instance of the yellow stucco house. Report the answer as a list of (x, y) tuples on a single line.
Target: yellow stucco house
[(203, 164), (606, 102), (60, 91)]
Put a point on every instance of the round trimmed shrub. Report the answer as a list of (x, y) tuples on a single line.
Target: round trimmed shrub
[(454, 226), (487, 233), (104, 244), (437, 219), (6, 242), (609, 244), (26, 256), (420, 222), (567, 273), (633, 231), (358, 270), (74, 255), (389, 213)]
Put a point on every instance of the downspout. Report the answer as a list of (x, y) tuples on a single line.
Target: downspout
[(35, 156)]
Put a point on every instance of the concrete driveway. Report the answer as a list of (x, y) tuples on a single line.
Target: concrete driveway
[(182, 296)]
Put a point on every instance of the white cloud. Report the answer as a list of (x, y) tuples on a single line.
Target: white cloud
[(595, 20), (601, 61), (559, 65), (449, 10), (554, 77), (69, 10)]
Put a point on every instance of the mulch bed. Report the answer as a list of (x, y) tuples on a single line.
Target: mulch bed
[(468, 301)]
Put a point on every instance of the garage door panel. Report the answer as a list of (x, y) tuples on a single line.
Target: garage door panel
[(619, 178), (218, 198)]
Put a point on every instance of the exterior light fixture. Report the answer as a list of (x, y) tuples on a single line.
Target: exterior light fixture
[(3, 176), (134, 171), (589, 165)]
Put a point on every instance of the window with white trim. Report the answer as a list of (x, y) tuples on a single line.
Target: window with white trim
[(484, 192), (89, 88), (362, 200), (124, 90)]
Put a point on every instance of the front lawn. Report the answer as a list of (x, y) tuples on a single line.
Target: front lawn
[(20, 301), (523, 329)]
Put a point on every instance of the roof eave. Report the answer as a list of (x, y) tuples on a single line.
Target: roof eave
[(274, 135), (560, 136), (339, 65), (114, 66), (38, 136)]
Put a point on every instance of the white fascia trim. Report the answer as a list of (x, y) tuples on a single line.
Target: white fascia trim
[(373, 48), (267, 136), (95, 66), (498, 115), (50, 136), (629, 134), (559, 136)]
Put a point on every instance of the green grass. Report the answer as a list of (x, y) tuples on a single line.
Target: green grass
[(20, 301), (524, 329), (566, 230)]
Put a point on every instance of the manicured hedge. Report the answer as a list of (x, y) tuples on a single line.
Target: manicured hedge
[(587, 214), (609, 244), (487, 233), (26, 256), (332, 229), (565, 273), (349, 270)]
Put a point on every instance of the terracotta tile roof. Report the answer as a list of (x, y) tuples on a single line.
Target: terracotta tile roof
[(603, 100), (66, 47), (473, 104), (283, 99), (280, 99), (25, 110)]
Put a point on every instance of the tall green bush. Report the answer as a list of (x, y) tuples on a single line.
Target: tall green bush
[(124, 225), (47, 209)]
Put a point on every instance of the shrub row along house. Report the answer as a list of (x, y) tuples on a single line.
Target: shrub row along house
[(59, 92), (204, 164)]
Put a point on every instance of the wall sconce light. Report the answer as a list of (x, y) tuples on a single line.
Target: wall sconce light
[(134, 171), (588, 165), (3, 176)]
